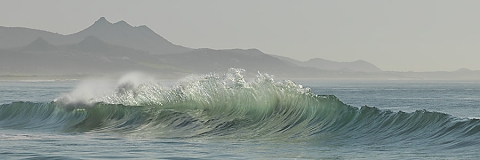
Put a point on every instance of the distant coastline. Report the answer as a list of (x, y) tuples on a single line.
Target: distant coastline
[(105, 49)]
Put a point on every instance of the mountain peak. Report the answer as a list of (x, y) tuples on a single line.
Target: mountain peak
[(40, 40), (123, 34), (39, 44), (101, 21), (92, 44), (145, 28), (122, 24)]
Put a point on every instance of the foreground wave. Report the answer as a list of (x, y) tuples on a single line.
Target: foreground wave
[(229, 107)]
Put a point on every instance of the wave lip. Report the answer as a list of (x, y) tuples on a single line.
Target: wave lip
[(229, 106)]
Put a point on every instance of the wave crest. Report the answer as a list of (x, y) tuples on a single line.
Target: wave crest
[(229, 106)]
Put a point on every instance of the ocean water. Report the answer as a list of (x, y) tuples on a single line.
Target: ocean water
[(228, 117)]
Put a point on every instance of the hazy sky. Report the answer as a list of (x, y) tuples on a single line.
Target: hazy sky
[(402, 35)]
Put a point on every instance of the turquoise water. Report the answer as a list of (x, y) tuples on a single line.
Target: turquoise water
[(228, 117)]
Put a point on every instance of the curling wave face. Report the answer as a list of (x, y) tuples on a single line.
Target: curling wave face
[(229, 107)]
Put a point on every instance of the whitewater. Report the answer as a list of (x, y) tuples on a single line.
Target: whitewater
[(226, 116)]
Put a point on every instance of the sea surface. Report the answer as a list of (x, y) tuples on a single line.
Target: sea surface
[(229, 117)]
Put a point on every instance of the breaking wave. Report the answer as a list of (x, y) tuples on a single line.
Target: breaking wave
[(230, 107)]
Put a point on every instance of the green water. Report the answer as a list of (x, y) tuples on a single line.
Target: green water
[(228, 117)]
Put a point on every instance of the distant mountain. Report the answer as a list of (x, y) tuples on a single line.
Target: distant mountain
[(14, 37), (97, 48), (319, 63), (89, 56), (107, 48), (123, 34), (120, 33), (92, 44), (39, 44), (289, 61), (209, 60), (358, 65), (94, 56)]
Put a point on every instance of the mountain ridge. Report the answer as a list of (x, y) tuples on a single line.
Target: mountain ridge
[(109, 48), (15, 37), (319, 63), (39, 44), (122, 33)]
